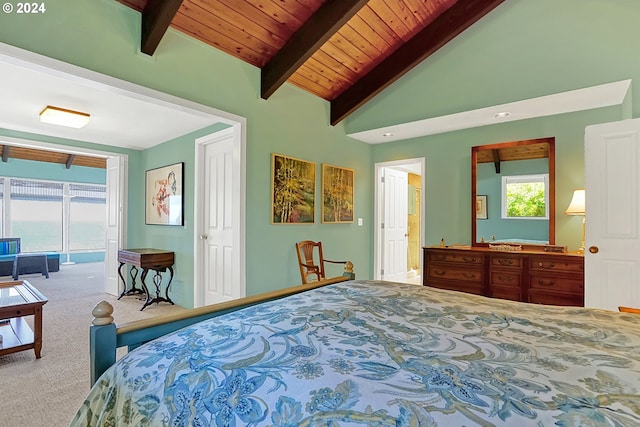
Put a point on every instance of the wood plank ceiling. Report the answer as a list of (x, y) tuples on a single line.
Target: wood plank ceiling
[(344, 51), (9, 151)]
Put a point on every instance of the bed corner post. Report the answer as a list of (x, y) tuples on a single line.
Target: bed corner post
[(102, 340), (348, 271)]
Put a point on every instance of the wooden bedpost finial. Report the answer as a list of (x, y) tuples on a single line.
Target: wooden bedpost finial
[(348, 267), (102, 313)]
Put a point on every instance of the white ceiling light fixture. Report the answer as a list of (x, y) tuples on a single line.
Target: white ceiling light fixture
[(63, 117), (502, 115)]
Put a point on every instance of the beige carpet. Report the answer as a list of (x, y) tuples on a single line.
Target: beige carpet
[(49, 390)]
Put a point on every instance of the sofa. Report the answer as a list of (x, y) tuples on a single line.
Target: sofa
[(10, 246)]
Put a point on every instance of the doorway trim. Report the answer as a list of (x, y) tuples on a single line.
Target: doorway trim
[(378, 200), (238, 135)]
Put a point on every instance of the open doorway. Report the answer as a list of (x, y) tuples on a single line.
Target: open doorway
[(399, 220)]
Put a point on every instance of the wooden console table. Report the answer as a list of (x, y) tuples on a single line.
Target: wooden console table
[(147, 259)]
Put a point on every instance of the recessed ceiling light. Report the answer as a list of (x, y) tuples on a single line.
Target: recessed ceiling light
[(502, 114), (387, 134), (63, 117)]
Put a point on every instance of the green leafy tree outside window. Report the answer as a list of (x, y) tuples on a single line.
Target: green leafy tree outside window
[(526, 199)]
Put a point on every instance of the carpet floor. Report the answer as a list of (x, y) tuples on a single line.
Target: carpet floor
[(48, 391)]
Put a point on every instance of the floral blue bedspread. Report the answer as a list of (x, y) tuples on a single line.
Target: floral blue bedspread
[(370, 353)]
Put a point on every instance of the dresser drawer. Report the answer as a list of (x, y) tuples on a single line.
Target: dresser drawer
[(441, 272), (506, 261), (467, 287), (556, 299), (570, 265), (504, 278), (456, 257), (556, 284), (505, 292)]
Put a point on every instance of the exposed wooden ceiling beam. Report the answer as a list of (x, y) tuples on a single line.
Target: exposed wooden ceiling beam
[(443, 29), (323, 24), (5, 153), (496, 159), (70, 160), (156, 17)]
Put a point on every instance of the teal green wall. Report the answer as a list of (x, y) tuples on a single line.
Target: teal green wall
[(489, 183), (103, 35), (522, 49)]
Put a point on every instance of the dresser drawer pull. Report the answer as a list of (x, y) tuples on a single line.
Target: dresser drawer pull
[(505, 261), (465, 259), (438, 257), (550, 265), (509, 278), (439, 272), (469, 275), (546, 283)]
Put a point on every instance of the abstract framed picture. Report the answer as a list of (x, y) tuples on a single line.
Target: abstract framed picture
[(337, 194), (164, 202), (293, 190), (481, 207)]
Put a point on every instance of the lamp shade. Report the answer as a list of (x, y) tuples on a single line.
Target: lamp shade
[(577, 205)]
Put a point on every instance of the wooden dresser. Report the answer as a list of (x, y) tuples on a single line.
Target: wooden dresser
[(528, 276)]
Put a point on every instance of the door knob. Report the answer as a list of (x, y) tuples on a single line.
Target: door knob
[(203, 237), (593, 249)]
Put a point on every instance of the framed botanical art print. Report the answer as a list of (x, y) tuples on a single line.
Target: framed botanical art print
[(164, 203), (293, 190), (337, 194)]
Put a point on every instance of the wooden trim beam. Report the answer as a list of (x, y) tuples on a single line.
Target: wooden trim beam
[(70, 159), (323, 24), (156, 18), (496, 159), (5, 153), (443, 29)]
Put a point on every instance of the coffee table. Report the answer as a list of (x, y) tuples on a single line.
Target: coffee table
[(18, 299)]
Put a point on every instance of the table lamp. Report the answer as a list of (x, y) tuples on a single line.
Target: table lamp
[(577, 207)]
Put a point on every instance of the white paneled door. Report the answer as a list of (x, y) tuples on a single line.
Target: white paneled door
[(612, 178), (116, 170), (220, 225), (395, 224)]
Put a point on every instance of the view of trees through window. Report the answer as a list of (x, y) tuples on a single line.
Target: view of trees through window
[(54, 216), (525, 196)]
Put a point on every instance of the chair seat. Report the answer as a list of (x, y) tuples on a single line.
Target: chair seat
[(32, 262)]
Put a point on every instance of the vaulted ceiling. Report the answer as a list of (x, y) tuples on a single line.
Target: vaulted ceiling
[(344, 51)]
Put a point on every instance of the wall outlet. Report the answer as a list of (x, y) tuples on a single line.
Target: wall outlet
[(360, 222)]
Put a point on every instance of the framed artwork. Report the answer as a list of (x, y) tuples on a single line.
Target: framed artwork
[(293, 190), (164, 204), (481, 207), (337, 194)]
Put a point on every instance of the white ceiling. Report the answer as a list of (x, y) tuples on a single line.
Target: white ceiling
[(131, 116), (122, 114), (604, 95)]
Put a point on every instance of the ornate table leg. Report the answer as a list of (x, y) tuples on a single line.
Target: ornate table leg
[(157, 281), (133, 273)]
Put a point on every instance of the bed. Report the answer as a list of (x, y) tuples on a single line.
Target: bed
[(378, 353)]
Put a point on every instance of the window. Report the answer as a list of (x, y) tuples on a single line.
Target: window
[(525, 196), (87, 216), (36, 214)]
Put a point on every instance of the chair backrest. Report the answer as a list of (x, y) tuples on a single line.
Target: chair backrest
[(310, 260)]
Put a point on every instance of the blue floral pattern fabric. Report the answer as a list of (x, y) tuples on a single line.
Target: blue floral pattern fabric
[(371, 353)]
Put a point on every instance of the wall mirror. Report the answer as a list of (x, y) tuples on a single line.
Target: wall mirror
[(531, 162)]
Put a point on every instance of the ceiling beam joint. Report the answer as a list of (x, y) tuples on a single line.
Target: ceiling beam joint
[(70, 160), (496, 159), (5, 153), (319, 28), (443, 29), (156, 18)]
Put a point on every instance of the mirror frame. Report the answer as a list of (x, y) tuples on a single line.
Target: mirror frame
[(552, 184)]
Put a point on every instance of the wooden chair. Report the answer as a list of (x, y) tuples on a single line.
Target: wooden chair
[(311, 261), (629, 310)]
